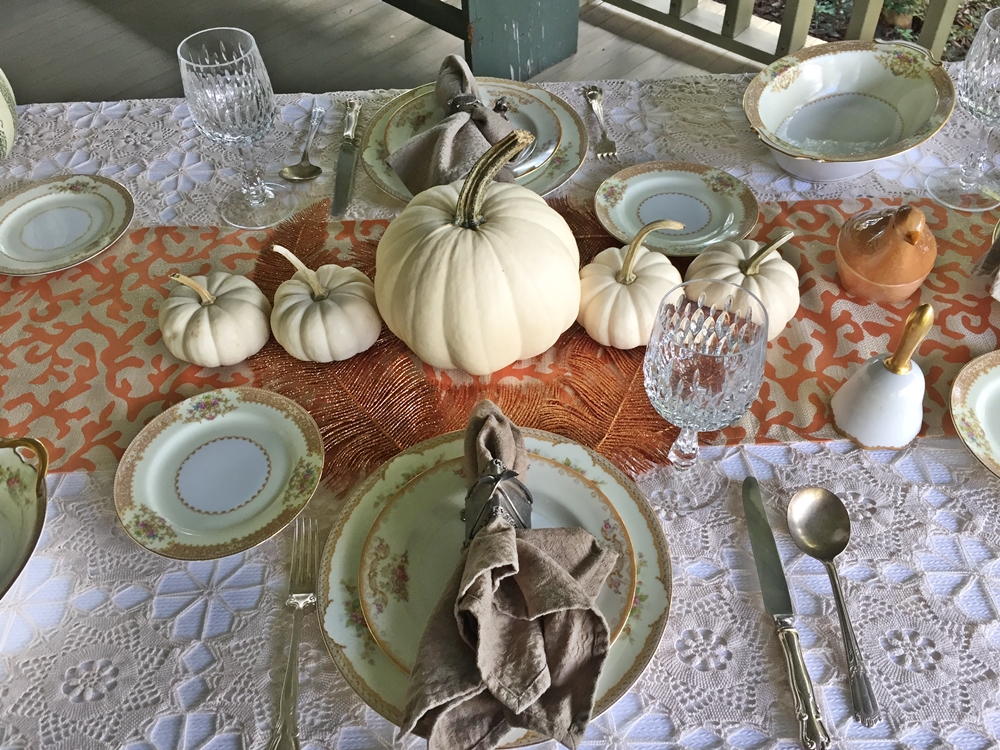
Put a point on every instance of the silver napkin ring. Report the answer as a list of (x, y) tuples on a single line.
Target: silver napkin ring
[(463, 103), (496, 493)]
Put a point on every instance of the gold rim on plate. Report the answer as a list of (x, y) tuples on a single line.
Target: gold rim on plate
[(218, 473), (373, 676), (396, 615), (553, 174), (967, 388), (724, 204), (19, 223)]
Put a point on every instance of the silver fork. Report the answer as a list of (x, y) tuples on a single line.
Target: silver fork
[(301, 594), (605, 148)]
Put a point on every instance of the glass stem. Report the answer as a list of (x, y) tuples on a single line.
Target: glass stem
[(684, 451), (978, 162), (253, 178)]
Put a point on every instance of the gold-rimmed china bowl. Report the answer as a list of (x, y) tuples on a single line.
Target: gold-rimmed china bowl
[(835, 111), (23, 499)]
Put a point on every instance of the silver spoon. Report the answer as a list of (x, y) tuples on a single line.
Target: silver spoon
[(820, 527), (305, 170)]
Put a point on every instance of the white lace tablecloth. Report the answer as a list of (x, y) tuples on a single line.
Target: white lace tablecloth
[(103, 645), (178, 176)]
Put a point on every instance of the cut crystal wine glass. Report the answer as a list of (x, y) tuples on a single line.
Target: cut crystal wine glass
[(229, 96), (975, 185), (705, 361)]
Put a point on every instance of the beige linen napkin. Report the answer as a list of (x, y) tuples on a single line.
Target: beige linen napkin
[(516, 640), (447, 151)]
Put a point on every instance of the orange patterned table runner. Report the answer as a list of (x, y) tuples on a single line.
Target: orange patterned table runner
[(82, 365)]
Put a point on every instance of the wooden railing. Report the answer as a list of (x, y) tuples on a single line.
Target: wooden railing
[(518, 39), (733, 31)]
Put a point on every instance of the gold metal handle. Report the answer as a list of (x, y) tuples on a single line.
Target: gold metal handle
[(918, 325), (812, 733)]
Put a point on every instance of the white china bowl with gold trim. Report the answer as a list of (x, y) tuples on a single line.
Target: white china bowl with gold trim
[(834, 111)]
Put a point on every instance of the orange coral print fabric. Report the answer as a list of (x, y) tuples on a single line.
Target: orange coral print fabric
[(83, 366)]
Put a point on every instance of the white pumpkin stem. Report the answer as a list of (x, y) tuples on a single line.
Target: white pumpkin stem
[(469, 210), (625, 276), (318, 292), (751, 266), (207, 298)]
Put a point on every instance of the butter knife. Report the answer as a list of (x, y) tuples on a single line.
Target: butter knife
[(778, 603), (346, 160), (988, 264)]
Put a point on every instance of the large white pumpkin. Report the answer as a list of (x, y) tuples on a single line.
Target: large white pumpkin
[(621, 289), (478, 275), (758, 269), (215, 320)]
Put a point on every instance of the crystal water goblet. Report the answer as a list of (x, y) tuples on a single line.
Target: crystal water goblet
[(705, 361), (975, 185), (229, 96)]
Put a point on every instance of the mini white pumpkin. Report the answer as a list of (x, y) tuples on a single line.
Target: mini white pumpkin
[(216, 320), (324, 315), (757, 269), (621, 289), (478, 275)]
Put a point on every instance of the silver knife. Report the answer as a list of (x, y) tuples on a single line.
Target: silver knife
[(988, 264), (778, 603), (346, 160)]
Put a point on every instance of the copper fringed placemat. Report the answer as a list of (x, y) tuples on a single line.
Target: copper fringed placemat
[(384, 400), (376, 404)]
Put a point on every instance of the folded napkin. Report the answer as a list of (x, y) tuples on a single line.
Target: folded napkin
[(447, 151), (516, 640)]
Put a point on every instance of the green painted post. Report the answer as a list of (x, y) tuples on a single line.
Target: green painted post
[(518, 39)]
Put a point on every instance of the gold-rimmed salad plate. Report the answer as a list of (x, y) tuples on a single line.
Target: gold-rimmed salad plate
[(975, 408), (218, 473), (712, 204), (373, 675), (415, 544), (61, 222)]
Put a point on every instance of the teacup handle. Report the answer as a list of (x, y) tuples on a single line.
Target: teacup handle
[(41, 458)]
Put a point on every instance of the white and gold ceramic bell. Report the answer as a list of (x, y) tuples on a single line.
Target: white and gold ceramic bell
[(881, 405)]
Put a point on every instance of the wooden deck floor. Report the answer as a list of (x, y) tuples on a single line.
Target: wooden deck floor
[(94, 50)]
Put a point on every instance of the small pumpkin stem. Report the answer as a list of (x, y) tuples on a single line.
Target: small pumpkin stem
[(625, 276), (469, 210), (207, 298), (318, 292), (751, 266)]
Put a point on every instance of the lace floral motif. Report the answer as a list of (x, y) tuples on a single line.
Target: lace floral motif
[(179, 176)]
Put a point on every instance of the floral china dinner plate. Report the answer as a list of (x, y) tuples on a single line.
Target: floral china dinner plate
[(712, 204), (218, 473), (373, 675), (556, 171), (526, 112), (415, 545), (23, 498), (61, 222), (975, 408)]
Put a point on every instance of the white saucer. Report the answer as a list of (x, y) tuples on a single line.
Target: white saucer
[(58, 223), (218, 473), (712, 204)]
